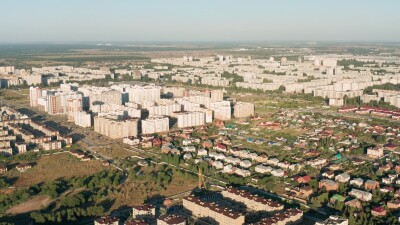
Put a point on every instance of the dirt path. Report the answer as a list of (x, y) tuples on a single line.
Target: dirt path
[(33, 204)]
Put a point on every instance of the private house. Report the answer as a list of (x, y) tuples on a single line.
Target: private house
[(303, 179), (220, 147), (371, 185), (343, 178), (355, 203), (23, 167), (3, 169), (378, 211), (361, 195), (357, 182), (375, 152), (393, 204), (329, 185)]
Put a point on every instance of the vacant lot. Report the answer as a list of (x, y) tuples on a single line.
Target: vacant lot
[(52, 167), (136, 192)]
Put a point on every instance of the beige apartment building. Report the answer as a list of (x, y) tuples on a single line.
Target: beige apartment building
[(220, 214), (107, 220), (243, 109), (116, 128), (143, 211), (170, 220), (253, 202)]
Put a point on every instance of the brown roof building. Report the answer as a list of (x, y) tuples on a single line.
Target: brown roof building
[(221, 214), (252, 201)]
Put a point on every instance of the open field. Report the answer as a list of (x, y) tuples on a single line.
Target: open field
[(19, 96), (53, 167)]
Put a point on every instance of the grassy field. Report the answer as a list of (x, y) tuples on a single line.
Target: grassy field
[(19, 96), (53, 167)]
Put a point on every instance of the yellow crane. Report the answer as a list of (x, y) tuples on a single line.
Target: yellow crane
[(200, 184)]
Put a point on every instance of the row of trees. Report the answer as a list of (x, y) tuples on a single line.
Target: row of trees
[(70, 214), (171, 159)]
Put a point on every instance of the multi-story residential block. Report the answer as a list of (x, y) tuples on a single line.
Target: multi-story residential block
[(253, 202), (189, 119), (217, 95), (74, 105), (143, 211), (83, 119), (135, 222), (101, 96), (220, 214), (144, 93), (171, 220), (337, 220), (164, 109), (107, 220), (155, 125), (116, 128), (34, 94), (289, 216), (243, 109)]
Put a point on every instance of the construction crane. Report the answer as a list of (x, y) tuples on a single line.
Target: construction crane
[(200, 184)]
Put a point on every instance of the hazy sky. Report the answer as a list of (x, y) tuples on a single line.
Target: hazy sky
[(199, 20)]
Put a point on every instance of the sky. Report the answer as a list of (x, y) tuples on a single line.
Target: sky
[(199, 20)]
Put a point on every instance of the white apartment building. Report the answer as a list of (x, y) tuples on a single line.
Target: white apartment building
[(83, 119), (144, 93), (164, 109), (34, 94), (155, 125), (104, 96), (189, 119)]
